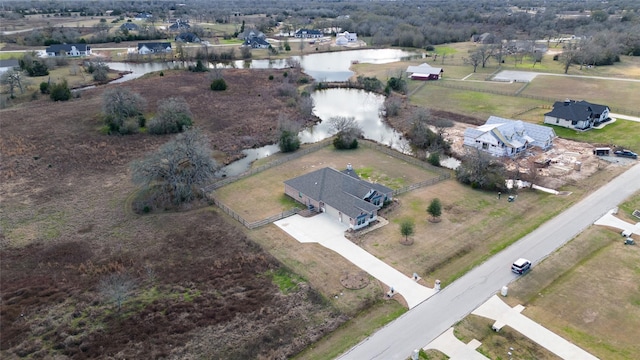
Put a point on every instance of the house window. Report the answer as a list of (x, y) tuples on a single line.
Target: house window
[(485, 146), (557, 121), (299, 194)]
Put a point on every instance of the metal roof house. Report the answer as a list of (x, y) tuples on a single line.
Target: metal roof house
[(506, 137), (574, 114), (341, 194), (424, 71)]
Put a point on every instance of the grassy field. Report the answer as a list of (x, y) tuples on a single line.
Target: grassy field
[(560, 294), (615, 94)]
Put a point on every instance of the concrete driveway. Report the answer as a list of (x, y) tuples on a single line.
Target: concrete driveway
[(329, 232)]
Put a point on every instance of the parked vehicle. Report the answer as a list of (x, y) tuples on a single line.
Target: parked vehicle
[(626, 153), (521, 266)]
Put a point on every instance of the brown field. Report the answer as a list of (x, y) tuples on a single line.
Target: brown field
[(67, 222)]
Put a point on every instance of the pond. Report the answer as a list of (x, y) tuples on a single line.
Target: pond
[(331, 66), (363, 106)]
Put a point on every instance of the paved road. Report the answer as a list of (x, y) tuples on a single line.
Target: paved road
[(422, 324)]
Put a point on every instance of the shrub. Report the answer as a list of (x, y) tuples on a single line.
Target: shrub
[(173, 116), (60, 91), (161, 73), (434, 159), (44, 87), (218, 85), (288, 141), (270, 77), (199, 67)]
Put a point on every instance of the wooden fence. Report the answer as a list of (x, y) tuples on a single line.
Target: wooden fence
[(209, 190)]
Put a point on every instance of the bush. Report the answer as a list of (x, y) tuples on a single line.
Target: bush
[(270, 77), (173, 116), (341, 142), (60, 91), (218, 85), (199, 68), (434, 159), (289, 141), (44, 87)]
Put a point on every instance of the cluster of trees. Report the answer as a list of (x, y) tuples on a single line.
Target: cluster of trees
[(123, 113), (479, 170)]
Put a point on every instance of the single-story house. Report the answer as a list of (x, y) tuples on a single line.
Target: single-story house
[(485, 38), (143, 16), (506, 137), (257, 43), (579, 115), (154, 48), (308, 33), (8, 64), (68, 50), (188, 37), (129, 26), (345, 38), (424, 71), (341, 194)]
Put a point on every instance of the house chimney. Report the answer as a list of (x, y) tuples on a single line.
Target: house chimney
[(349, 167)]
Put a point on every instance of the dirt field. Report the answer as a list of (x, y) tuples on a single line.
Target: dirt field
[(66, 223)]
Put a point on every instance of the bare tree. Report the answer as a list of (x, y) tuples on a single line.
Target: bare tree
[(475, 59), (348, 132), (174, 171), (120, 107), (116, 288), (13, 79), (569, 55)]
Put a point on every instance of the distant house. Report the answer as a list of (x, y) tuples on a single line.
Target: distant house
[(579, 115), (485, 38), (506, 137), (308, 34), (154, 48), (68, 50), (257, 43), (254, 39), (8, 64), (424, 71), (143, 16), (341, 194), (345, 38), (129, 27), (188, 37), (179, 25)]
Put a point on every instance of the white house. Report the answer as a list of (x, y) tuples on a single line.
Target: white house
[(154, 48), (345, 38), (68, 50), (579, 115), (506, 137)]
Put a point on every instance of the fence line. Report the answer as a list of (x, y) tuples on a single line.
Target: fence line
[(209, 191)]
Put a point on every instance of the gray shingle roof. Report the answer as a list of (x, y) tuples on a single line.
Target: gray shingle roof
[(338, 190), (576, 110)]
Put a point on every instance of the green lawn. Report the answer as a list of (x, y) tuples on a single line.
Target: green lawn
[(623, 133)]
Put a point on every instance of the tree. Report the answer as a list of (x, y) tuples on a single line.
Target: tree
[(288, 140), (60, 91), (475, 59), (122, 109), (481, 171), (435, 208), (569, 55), (348, 132), (13, 79), (173, 116), (116, 288), (173, 173), (406, 228)]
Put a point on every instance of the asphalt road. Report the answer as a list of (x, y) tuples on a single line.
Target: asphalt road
[(425, 322)]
